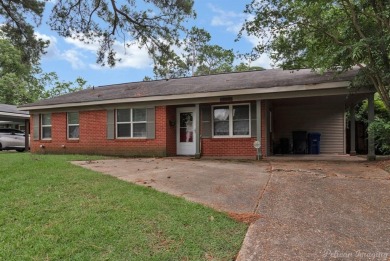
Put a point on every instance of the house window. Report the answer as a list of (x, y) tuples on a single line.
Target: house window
[(73, 125), (131, 123), (231, 120), (46, 126)]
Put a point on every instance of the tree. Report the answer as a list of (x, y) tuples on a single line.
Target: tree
[(326, 35), (147, 79), (243, 67), (195, 41), (214, 59), (23, 83), (152, 23), (170, 65), (55, 87), (380, 127), (14, 75), (15, 18), (175, 65)]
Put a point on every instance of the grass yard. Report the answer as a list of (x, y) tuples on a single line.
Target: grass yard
[(52, 210)]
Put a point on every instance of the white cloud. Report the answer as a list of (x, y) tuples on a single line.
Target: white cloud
[(52, 49), (75, 58), (232, 22), (263, 61), (130, 55)]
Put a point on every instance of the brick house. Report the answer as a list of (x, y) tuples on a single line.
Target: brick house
[(215, 115)]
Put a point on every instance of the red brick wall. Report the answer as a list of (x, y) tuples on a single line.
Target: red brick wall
[(228, 147), (236, 146), (93, 137)]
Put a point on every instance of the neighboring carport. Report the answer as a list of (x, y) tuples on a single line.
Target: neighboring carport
[(11, 116)]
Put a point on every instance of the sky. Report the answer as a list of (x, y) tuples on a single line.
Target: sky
[(71, 59)]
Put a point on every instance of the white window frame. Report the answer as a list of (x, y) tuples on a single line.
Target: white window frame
[(230, 120), (72, 125), (46, 126), (131, 122)]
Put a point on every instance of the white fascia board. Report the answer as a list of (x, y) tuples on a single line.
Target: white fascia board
[(281, 89)]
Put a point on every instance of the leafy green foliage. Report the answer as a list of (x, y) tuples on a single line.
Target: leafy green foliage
[(17, 84), (380, 127), (243, 67), (198, 57), (326, 35), (17, 22), (214, 59), (53, 210), (56, 87), (22, 82)]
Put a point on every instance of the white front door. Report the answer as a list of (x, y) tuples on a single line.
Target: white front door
[(185, 131)]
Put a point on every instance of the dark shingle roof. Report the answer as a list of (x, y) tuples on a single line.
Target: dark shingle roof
[(199, 84), (11, 109)]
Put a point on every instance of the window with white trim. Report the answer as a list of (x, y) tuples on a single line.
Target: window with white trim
[(73, 125), (231, 120), (46, 126), (131, 123)]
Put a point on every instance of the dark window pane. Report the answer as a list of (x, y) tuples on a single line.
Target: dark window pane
[(46, 119), (241, 127), (139, 130), (73, 132), (139, 114), (73, 118), (241, 112), (185, 119), (221, 128), (46, 132), (124, 130), (123, 115)]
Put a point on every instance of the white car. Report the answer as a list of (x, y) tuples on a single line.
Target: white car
[(12, 139)]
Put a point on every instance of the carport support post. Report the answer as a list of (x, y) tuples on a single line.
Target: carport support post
[(26, 135), (353, 130), (258, 128), (371, 139), (197, 131)]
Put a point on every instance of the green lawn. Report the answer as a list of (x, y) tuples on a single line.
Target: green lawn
[(51, 210)]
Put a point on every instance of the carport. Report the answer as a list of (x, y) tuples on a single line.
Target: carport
[(11, 116), (322, 115)]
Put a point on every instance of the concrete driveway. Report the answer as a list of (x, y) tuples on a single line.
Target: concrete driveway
[(322, 211), (224, 185), (310, 210)]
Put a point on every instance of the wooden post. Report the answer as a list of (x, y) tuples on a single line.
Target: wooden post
[(26, 135), (371, 139), (352, 152)]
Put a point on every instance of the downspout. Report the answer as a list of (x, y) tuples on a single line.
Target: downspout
[(258, 128), (197, 131)]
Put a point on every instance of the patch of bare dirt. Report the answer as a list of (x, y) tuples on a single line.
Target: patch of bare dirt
[(384, 164), (246, 218)]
